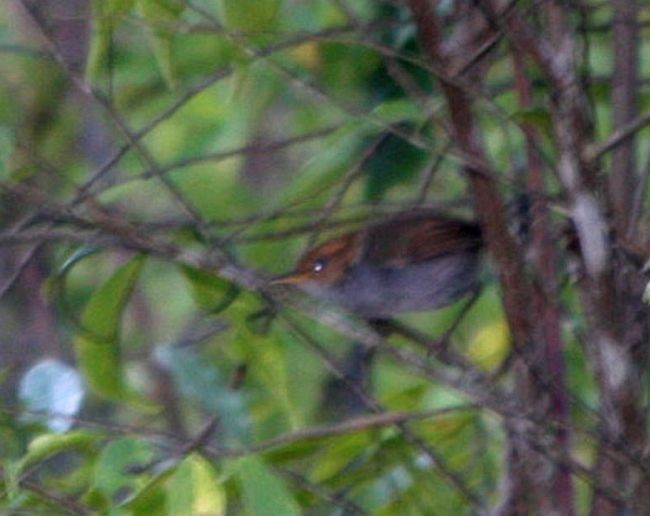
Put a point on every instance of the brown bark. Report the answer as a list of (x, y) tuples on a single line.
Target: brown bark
[(521, 486)]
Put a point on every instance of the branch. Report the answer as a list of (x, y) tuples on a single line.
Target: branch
[(349, 426), (622, 178), (544, 260), (619, 136)]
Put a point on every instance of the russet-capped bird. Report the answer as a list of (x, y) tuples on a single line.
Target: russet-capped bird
[(413, 261)]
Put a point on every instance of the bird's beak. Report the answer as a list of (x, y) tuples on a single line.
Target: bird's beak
[(289, 279)]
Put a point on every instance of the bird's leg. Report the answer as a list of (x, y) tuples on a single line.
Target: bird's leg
[(345, 395), (443, 353)]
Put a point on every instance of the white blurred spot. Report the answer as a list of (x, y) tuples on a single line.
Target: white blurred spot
[(52, 392), (593, 241)]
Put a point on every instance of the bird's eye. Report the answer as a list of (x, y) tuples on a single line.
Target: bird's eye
[(319, 265)]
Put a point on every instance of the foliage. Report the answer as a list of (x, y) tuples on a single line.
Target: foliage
[(162, 159)]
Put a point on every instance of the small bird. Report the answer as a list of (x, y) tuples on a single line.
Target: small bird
[(414, 261)]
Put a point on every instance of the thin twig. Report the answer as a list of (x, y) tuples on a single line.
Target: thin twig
[(597, 150)]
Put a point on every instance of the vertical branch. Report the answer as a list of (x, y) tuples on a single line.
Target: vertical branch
[(621, 184), (488, 203), (612, 307), (544, 260), (605, 293), (520, 488)]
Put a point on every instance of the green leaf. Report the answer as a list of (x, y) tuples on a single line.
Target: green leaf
[(338, 455), (46, 445), (150, 497), (490, 344), (394, 161), (268, 365), (79, 254), (161, 17), (114, 462), (195, 489), (199, 380), (259, 322), (325, 167), (55, 284), (264, 494), (537, 117), (106, 15), (98, 349), (397, 111), (210, 292), (249, 15)]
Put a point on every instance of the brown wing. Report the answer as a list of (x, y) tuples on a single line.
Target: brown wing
[(419, 237)]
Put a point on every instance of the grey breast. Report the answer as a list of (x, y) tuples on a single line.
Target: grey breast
[(374, 291)]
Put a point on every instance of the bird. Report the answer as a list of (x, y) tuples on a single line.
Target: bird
[(413, 261)]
